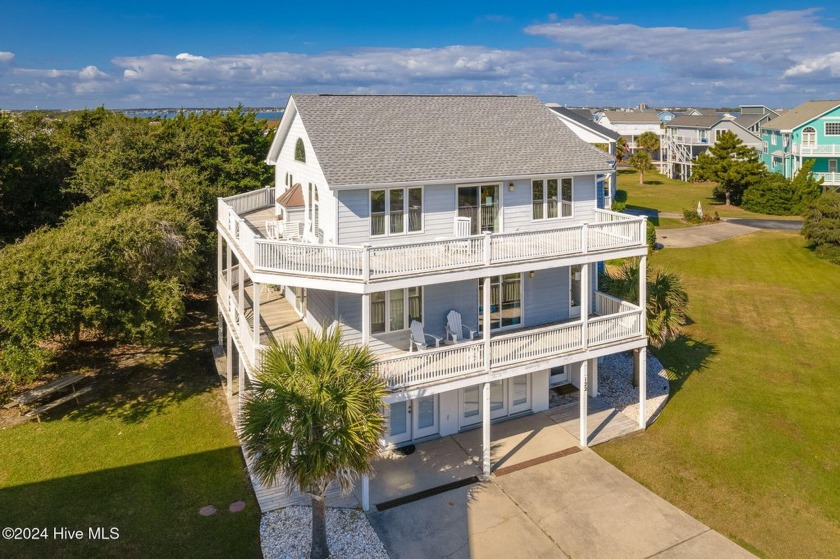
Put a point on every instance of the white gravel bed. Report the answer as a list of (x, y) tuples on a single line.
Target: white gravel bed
[(287, 534), (615, 385)]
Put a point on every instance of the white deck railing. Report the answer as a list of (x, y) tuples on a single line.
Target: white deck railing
[(825, 149), (828, 178), (610, 231), (515, 348)]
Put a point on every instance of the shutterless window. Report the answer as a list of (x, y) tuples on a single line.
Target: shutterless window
[(394, 310), (832, 128), (551, 198), (395, 211)]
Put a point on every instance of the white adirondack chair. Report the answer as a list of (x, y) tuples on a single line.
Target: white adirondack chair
[(455, 329), (463, 227), (272, 229), (291, 230), (418, 337)]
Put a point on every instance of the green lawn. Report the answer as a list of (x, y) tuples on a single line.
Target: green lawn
[(750, 441), (150, 448), (673, 196)]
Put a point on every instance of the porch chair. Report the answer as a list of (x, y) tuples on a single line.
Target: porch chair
[(418, 337), (291, 230), (455, 328), (272, 229)]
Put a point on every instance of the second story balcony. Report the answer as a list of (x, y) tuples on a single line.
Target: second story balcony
[(820, 150), (243, 220)]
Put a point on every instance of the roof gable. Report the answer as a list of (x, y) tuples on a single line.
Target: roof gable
[(801, 115), (382, 139), (576, 117), (684, 121)]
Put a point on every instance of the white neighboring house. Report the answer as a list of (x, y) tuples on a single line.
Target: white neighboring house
[(686, 137), (415, 206), (631, 124), (592, 133)]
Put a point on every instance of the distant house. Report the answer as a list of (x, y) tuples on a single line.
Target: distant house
[(809, 131), (665, 116), (593, 133), (686, 137), (631, 125), (754, 116)]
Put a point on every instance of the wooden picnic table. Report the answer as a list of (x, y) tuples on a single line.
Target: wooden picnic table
[(42, 392)]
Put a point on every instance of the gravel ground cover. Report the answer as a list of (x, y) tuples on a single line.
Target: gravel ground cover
[(615, 385), (287, 534)]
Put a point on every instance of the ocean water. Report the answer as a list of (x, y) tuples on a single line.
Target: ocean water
[(171, 113)]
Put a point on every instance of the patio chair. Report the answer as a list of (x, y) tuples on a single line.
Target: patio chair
[(455, 329), (418, 337), (291, 230), (272, 229)]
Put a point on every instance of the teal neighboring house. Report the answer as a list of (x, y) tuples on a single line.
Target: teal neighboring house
[(809, 131)]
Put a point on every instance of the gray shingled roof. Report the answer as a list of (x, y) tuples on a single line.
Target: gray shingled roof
[(749, 119), (574, 115), (686, 121), (800, 115), (637, 117), (379, 139)]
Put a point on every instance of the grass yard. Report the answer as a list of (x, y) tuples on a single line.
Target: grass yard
[(673, 196), (749, 443), (149, 448)]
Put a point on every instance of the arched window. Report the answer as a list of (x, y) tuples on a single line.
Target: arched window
[(809, 136), (300, 152)]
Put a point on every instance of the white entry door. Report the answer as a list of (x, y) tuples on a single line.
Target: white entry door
[(575, 277), (399, 423), (519, 394), (425, 416)]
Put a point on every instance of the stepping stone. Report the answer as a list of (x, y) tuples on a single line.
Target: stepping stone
[(237, 506), (209, 510)]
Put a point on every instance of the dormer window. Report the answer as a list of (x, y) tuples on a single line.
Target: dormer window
[(300, 152)]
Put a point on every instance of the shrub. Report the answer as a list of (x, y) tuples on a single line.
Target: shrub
[(22, 363), (618, 206), (651, 236), (773, 195), (822, 227), (691, 217)]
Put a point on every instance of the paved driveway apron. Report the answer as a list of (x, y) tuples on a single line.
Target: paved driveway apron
[(575, 506)]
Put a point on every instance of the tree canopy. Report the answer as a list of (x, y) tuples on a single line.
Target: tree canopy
[(115, 218), (648, 141), (641, 161), (822, 226), (732, 164)]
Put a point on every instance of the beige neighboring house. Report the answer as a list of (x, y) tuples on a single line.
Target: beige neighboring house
[(631, 124)]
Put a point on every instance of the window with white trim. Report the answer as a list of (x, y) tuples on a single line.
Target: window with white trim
[(314, 209), (832, 128), (773, 139), (551, 198), (809, 136), (718, 134), (764, 145), (395, 211), (395, 310)]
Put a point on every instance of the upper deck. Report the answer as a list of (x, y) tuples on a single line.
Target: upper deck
[(241, 221)]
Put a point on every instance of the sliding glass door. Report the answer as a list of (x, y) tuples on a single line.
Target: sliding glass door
[(481, 205)]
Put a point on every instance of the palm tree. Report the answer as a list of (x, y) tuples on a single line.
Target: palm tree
[(666, 306), (314, 417), (640, 161)]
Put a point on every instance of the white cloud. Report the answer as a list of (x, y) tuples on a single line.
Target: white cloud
[(6, 56), (583, 61), (829, 62)]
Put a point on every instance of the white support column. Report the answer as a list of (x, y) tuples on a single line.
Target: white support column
[(365, 492), (642, 387), (485, 429), (584, 403), (257, 326), (241, 395), (365, 340), (240, 307), (365, 318), (585, 305), (643, 283), (229, 362), (485, 304)]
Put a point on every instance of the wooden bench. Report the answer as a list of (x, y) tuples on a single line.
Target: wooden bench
[(43, 392), (75, 394)]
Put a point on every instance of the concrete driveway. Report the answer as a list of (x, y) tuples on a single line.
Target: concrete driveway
[(574, 506)]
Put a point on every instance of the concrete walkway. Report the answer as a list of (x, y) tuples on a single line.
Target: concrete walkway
[(701, 234), (577, 505)]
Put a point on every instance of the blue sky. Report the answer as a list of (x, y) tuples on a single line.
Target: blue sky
[(186, 54)]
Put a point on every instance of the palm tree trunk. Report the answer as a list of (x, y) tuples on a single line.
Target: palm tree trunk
[(641, 177), (319, 549)]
